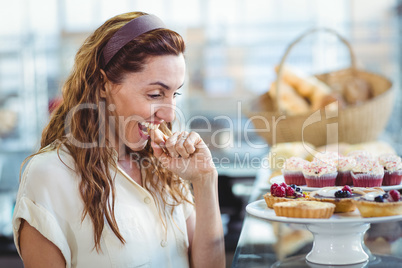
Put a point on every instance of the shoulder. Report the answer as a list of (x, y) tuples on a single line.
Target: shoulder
[(54, 155), (49, 172), (50, 162)]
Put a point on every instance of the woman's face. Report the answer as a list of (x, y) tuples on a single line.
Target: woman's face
[(146, 98)]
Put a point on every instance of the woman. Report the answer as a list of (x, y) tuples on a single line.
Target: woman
[(108, 187)]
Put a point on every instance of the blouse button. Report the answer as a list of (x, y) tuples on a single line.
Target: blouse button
[(163, 243), (147, 200)]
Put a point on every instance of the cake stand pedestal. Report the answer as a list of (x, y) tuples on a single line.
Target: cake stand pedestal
[(338, 244)]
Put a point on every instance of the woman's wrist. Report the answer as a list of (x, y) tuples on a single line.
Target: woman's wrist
[(206, 179)]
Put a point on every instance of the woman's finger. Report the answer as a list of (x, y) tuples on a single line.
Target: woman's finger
[(160, 154), (190, 142), (157, 136), (180, 147), (171, 145), (158, 151)]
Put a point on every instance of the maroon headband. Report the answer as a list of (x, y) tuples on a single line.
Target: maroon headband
[(128, 32)]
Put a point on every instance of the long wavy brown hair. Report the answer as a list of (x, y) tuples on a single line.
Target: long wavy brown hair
[(92, 151)]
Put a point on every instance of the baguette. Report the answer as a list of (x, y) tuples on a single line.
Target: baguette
[(308, 87), (289, 100), (357, 90)]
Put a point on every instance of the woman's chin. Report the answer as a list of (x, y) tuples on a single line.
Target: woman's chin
[(137, 146)]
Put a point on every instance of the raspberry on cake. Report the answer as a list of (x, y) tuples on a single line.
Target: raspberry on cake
[(283, 193), (292, 171), (380, 204)]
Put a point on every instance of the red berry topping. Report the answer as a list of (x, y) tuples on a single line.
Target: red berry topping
[(273, 187), (395, 195), (280, 191), (290, 191), (283, 184), (347, 188)]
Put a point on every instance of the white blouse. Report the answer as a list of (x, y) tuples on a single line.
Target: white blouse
[(49, 200)]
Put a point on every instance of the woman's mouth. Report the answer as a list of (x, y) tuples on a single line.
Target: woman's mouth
[(146, 126)]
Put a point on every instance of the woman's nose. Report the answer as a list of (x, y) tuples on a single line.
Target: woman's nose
[(166, 111)]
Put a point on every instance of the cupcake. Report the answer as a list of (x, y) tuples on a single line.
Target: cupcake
[(361, 155), (304, 209), (392, 169), (380, 204), (292, 171), (341, 197), (327, 157), (367, 173), (283, 193), (319, 174), (345, 165)]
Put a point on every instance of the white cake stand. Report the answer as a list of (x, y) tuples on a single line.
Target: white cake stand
[(337, 240)]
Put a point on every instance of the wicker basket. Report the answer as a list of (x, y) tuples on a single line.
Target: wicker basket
[(352, 124)]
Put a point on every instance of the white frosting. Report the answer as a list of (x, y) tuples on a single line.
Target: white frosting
[(371, 195), (327, 157), (328, 192), (386, 158), (390, 162), (319, 168), (392, 166), (370, 167), (361, 155), (346, 163), (295, 163)]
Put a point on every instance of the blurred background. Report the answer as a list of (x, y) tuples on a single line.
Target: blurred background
[(233, 47)]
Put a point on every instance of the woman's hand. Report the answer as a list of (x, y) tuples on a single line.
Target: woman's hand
[(183, 153), (188, 156)]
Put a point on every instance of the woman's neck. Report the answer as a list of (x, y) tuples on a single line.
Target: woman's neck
[(130, 164)]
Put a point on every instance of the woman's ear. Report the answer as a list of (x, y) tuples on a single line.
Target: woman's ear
[(106, 84)]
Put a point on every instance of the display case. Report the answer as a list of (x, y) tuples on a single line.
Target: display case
[(24, 81)]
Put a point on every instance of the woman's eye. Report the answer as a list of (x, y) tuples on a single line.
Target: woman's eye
[(158, 96), (176, 94), (154, 96)]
